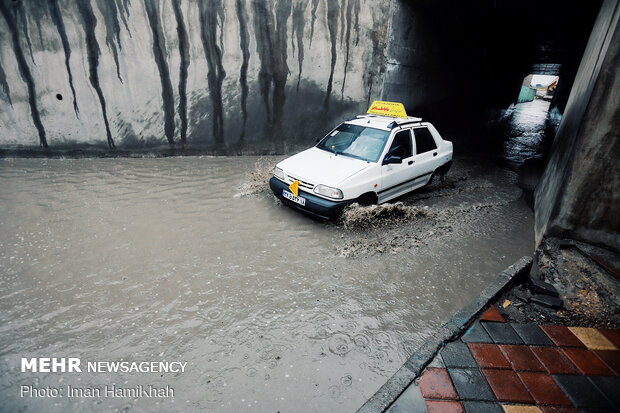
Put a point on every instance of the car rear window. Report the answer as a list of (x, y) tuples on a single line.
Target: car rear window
[(424, 140)]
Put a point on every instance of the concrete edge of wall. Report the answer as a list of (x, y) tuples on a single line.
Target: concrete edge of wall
[(412, 368)]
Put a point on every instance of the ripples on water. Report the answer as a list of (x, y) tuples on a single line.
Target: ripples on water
[(167, 259)]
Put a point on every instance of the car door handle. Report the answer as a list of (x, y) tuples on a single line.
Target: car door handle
[(434, 153), (410, 162)]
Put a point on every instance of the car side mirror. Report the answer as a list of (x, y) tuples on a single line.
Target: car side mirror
[(389, 159)]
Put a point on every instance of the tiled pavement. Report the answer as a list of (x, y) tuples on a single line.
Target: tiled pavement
[(502, 367)]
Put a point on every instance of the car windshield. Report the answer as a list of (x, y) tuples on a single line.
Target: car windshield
[(356, 141)]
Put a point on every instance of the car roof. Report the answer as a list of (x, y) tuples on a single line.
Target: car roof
[(382, 122)]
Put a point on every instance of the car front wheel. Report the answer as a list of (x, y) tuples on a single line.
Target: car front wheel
[(367, 199)]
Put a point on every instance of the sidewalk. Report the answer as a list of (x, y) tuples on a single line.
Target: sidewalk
[(498, 366)]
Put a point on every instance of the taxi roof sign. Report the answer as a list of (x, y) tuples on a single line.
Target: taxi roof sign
[(391, 109)]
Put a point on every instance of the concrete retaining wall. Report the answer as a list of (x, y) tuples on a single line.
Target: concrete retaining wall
[(578, 195), (220, 73)]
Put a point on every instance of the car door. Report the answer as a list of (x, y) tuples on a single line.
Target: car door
[(397, 168), (425, 157)]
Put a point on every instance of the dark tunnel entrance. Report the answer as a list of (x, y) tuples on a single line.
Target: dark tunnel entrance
[(462, 65)]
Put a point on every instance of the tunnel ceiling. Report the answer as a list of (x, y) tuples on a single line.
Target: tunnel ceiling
[(551, 28)]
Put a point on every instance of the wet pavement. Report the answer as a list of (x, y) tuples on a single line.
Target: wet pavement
[(193, 259)]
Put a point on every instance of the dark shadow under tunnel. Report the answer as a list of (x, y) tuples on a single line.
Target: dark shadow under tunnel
[(461, 64)]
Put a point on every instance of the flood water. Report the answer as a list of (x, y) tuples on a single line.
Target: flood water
[(526, 129), (192, 259)]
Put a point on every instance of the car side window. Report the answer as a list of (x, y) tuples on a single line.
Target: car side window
[(401, 145), (424, 140)]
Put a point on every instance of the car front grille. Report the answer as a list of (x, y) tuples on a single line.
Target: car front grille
[(303, 184)]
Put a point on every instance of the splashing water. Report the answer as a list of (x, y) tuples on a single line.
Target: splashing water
[(363, 217), (256, 181), (426, 215)]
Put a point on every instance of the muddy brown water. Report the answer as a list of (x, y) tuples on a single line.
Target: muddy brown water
[(193, 259)]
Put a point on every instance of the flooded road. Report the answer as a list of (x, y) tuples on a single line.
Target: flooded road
[(192, 259), (525, 131)]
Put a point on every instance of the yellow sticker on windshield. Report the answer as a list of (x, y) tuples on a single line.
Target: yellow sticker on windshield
[(392, 109), (294, 187)]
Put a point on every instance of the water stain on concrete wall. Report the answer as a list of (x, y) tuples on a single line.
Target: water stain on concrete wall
[(60, 26), (112, 29), (89, 22), (183, 67), (332, 27), (10, 16), (352, 10), (159, 52), (271, 39), (211, 16), (248, 58), (244, 42), (21, 14), (5, 86), (299, 24)]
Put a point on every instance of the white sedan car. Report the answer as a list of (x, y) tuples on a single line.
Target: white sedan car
[(370, 159)]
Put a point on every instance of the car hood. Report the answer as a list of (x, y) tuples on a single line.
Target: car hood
[(322, 167)]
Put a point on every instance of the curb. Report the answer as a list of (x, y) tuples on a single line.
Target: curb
[(389, 392)]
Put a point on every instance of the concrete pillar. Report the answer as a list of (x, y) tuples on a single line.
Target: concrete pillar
[(579, 193)]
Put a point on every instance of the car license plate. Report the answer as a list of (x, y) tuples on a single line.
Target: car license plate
[(297, 199)]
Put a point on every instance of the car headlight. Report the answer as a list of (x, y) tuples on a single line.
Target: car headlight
[(278, 173), (328, 191)]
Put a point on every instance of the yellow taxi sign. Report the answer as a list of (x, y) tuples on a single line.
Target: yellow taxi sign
[(294, 187), (392, 109)]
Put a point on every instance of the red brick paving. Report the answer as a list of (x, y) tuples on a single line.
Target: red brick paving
[(611, 358), (611, 335), (521, 358), (506, 386), (558, 409), (587, 362), (522, 374), (492, 315), (436, 384), (435, 406), (488, 355), (562, 336), (544, 389), (554, 360)]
